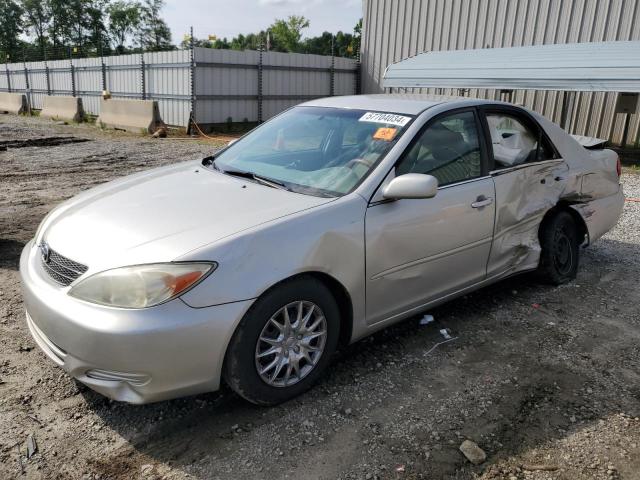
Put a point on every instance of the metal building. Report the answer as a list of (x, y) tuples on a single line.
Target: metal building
[(397, 29)]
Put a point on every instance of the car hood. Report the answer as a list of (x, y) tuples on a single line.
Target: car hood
[(162, 214)]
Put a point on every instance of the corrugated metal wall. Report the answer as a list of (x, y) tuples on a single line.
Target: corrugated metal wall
[(228, 86), (397, 29), (226, 82)]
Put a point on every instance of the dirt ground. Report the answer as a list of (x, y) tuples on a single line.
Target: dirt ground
[(545, 380)]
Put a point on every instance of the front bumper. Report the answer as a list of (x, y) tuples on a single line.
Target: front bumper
[(136, 356)]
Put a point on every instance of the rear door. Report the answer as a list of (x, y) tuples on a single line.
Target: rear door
[(418, 250), (529, 176)]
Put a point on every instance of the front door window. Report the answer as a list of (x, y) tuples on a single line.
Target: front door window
[(449, 149)]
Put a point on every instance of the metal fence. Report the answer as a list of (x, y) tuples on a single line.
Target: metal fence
[(215, 86)]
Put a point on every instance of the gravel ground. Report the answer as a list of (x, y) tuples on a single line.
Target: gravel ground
[(545, 380)]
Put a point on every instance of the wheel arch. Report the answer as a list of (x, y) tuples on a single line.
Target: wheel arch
[(340, 294), (564, 206)]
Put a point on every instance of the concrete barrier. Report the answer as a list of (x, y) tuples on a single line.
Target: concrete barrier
[(62, 108), (13, 103), (130, 115)]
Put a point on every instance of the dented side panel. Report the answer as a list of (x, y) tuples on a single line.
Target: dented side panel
[(523, 196)]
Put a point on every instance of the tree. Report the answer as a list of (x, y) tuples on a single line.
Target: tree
[(287, 33), (10, 28), (355, 41), (153, 34), (124, 20), (37, 17), (76, 23)]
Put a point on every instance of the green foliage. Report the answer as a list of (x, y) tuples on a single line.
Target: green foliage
[(154, 34), (286, 36), (11, 26), (124, 20), (57, 29), (287, 33)]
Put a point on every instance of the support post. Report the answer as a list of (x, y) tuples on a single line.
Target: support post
[(26, 82), (332, 78), (73, 74), (192, 85), (567, 109), (6, 66), (625, 131), (260, 93), (143, 83), (104, 76), (46, 71), (103, 66), (48, 78)]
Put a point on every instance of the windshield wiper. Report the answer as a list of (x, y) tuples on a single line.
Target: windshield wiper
[(269, 182)]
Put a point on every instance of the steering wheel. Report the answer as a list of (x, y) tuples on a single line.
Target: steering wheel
[(358, 161)]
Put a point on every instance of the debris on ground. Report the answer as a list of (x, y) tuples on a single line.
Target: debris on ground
[(426, 320), (32, 446), (445, 333), (160, 133), (473, 452)]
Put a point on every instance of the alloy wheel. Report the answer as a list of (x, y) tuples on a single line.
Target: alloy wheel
[(291, 344)]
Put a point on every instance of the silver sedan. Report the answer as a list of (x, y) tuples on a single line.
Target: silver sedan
[(333, 220)]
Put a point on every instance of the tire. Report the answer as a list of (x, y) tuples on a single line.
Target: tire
[(560, 250), (242, 363)]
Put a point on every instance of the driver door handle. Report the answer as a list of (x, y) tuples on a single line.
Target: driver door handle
[(482, 201)]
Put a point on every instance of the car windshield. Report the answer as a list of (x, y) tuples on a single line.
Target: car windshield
[(314, 150)]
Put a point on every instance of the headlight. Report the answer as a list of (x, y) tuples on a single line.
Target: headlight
[(141, 286)]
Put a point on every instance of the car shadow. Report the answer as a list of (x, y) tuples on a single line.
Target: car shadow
[(505, 382), (10, 251)]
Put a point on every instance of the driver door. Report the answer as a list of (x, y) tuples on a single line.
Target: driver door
[(419, 250)]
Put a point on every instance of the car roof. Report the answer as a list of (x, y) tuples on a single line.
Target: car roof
[(406, 103)]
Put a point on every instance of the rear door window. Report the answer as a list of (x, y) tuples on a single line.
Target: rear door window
[(516, 141)]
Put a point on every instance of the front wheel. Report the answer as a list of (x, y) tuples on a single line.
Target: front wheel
[(283, 343), (560, 250)]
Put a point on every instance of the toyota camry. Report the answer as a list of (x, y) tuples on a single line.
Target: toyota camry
[(330, 221)]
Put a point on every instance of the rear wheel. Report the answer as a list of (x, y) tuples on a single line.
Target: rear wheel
[(283, 343), (560, 249)]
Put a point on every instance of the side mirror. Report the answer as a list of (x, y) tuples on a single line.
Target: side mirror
[(411, 185)]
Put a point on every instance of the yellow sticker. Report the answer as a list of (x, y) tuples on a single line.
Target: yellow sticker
[(386, 134)]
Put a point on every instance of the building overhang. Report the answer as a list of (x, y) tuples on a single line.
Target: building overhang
[(590, 67)]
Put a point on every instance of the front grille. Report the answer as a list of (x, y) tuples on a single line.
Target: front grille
[(62, 269)]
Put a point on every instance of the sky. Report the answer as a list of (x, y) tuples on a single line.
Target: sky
[(227, 18)]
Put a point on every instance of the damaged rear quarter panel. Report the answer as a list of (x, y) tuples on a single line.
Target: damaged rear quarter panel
[(593, 188)]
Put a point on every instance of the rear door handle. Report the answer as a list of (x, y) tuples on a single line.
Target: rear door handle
[(482, 201)]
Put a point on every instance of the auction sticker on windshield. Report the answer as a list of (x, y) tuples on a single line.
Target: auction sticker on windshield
[(387, 118), (385, 134)]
